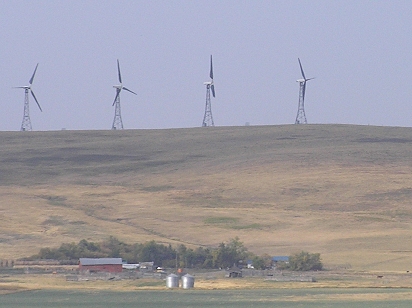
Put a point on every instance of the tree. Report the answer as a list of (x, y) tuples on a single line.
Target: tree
[(258, 263), (262, 262), (305, 261), (228, 254), (237, 249)]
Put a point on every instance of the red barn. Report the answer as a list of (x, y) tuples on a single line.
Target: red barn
[(111, 265)]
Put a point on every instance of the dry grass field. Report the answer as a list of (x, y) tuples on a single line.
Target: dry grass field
[(326, 280), (341, 190)]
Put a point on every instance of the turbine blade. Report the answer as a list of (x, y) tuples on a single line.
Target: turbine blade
[(34, 96), (118, 69), (211, 68), (117, 95), (213, 89), (301, 69), (129, 90), (34, 73)]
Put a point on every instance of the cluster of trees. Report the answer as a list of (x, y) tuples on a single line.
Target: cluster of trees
[(225, 255), (162, 255)]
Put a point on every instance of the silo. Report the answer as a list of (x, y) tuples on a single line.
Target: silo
[(188, 281), (172, 281)]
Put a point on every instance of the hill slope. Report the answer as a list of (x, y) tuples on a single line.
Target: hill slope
[(340, 190)]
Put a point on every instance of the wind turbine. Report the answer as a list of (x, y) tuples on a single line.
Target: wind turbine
[(208, 118), (117, 121), (26, 123), (301, 117)]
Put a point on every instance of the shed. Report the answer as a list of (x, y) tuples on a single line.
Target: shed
[(111, 265), (234, 272)]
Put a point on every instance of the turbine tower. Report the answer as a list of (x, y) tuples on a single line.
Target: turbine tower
[(26, 123), (301, 117), (208, 118), (117, 121)]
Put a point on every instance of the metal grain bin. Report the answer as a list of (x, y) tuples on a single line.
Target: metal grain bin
[(172, 281), (188, 281)]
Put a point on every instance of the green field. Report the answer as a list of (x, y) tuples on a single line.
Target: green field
[(336, 298)]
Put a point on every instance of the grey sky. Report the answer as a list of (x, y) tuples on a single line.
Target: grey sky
[(359, 51)]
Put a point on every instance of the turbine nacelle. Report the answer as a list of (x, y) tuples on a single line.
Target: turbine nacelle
[(304, 80), (24, 87)]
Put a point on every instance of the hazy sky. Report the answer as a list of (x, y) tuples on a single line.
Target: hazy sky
[(359, 51)]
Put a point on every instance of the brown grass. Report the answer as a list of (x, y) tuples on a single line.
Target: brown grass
[(328, 280), (342, 191)]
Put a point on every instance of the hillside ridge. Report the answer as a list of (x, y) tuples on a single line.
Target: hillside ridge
[(340, 190)]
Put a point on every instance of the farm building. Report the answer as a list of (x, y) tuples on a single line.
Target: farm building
[(111, 265), (233, 272)]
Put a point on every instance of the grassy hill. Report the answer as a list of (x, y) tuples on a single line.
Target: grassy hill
[(341, 190)]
